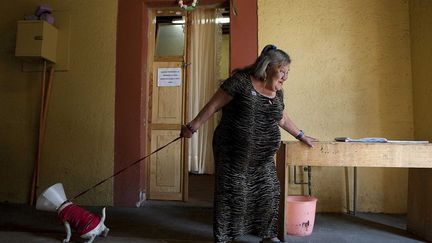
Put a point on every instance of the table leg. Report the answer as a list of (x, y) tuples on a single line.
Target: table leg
[(419, 209), (283, 180)]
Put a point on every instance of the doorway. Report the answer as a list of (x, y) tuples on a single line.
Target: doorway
[(188, 59), (132, 83)]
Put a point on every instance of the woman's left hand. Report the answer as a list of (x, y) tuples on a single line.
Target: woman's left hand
[(185, 132), (308, 140)]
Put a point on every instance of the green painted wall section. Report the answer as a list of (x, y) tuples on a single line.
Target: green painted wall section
[(421, 53), (350, 76), (79, 143)]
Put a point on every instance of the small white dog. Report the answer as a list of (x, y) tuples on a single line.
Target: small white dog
[(85, 223)]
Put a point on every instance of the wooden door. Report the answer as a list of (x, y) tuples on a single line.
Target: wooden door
[(166, 166), (167, 169)]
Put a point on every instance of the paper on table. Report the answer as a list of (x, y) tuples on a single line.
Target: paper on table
[(407, 142), (378, 140), (363, 140)]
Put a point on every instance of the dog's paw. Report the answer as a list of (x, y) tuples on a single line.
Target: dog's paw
[(90, 240), (65, 240), (105, 232)]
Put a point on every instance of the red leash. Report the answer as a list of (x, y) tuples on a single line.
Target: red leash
[(120, 171)]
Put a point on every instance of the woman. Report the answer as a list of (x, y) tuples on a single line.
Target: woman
[(247, 188)]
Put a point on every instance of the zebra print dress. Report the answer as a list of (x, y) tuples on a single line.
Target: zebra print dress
[(244, 144)]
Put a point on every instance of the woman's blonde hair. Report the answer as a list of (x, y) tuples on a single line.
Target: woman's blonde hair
[(270, 57)]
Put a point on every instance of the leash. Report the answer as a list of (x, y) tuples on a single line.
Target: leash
[(120, 171)]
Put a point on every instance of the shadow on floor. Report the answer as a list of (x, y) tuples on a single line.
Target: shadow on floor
[(180, 222), (183, 222)]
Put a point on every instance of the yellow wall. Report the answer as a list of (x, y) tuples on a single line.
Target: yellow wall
[(79, 145), (421, 53), (350, 76)]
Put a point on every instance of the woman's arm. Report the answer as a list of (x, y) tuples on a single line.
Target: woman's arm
[(288, 125), (219, 100)]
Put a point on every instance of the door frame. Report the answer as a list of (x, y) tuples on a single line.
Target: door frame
[(131, 96)]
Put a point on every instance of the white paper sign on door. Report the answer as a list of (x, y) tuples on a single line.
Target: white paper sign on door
[(169, 77)]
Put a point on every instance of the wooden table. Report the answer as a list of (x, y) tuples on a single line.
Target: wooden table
[(417, 157)]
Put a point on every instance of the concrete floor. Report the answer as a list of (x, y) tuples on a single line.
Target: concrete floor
[(179, 222), (186, 222)]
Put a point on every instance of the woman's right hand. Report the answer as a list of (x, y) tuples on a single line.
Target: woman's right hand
[(308, 140), (185, 132)]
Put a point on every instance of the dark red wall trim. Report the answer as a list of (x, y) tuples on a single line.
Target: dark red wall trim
[(243, 34), (128, 110)]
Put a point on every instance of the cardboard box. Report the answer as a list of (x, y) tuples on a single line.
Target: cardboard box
[(36, 39)]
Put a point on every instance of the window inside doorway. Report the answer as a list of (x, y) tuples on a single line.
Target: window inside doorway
[(170, 36)]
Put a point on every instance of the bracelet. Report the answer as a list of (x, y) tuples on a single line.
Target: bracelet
[(191, 129), (300, 135)]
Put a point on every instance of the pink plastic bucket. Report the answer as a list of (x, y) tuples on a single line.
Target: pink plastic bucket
[(300, 216)]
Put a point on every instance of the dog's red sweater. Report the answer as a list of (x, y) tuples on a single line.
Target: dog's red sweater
[(81, 221)]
